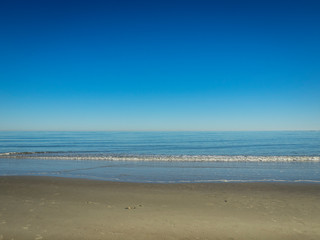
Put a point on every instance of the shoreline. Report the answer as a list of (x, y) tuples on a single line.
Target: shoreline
[(33, 207), (160, 182)]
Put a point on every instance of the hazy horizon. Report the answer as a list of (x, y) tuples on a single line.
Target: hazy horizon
[(112, 130)]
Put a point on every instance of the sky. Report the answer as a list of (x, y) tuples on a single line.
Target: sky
[(159, 65)]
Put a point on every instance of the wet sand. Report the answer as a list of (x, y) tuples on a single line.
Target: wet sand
[(59, 208)]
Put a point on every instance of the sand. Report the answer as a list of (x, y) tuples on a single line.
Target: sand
[(59, 208)]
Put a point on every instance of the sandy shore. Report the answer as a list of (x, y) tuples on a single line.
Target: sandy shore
[(57, 208)]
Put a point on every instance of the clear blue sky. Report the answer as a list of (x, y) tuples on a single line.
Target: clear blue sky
[(159, 65)]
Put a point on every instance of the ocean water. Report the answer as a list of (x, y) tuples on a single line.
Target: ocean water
[(164, 157)]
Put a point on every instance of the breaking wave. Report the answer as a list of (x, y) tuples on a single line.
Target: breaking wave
[(166, 158)]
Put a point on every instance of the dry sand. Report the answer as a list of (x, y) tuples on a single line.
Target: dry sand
[(57, 208)]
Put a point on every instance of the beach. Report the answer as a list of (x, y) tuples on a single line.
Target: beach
[(61, 208)]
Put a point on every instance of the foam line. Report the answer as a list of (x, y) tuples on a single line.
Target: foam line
[(166, 158)]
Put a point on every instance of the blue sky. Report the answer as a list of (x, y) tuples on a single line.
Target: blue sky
[(159, 65)]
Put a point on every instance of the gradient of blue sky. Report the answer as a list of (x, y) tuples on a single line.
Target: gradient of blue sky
[(159, 65)]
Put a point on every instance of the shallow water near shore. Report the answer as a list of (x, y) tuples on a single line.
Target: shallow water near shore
[(166, 172), (164, 157)]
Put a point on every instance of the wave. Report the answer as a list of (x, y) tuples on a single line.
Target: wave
[(167, 158)]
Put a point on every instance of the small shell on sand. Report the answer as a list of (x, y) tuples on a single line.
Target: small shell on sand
[(133, 207), (130, 207)]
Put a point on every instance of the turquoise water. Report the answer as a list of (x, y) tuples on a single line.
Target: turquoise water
[(164, 156)]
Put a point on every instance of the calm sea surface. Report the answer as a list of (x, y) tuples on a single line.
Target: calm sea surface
[(164, 156)]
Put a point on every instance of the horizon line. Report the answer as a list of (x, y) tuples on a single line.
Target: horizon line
[(165, 130)]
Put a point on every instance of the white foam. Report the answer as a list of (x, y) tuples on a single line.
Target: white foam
[(162, 158)]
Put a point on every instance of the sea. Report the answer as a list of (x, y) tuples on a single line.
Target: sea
[(164, 157)]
